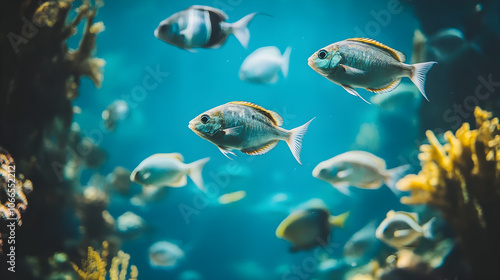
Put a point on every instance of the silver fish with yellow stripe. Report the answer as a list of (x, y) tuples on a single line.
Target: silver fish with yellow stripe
[(247, 127), (366, 63)]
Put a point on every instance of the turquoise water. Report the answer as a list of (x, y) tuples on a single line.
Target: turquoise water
[(238, 241)]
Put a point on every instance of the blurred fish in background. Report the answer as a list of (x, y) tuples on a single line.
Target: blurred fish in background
[(263, 65)]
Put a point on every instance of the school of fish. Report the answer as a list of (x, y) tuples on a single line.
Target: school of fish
[(253, 130)]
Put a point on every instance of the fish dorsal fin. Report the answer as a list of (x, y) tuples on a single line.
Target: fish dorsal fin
[(401, 57), (413, 216), (390, 214), (275, 118), (260, 150), (387, 88), (170, 155), (220, 13)]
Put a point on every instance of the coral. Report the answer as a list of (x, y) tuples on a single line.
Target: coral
[(94, 267), (15, 186), (462, 180), (39, 81)]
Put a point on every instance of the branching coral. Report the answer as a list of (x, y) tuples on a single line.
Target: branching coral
[(94, 267), (462, 180), (15, 186), (79, 62)]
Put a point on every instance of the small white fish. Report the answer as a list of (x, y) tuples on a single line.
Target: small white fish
[(359, 169), (401, 229), (263, 65), (162, 170)]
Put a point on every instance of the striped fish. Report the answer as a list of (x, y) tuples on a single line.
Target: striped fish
[(366, 63), (247, 127), (202, 27)]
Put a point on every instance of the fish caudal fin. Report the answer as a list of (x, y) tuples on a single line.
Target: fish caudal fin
[(285, 61), (194, 172), (295, 137), (338, 221), (240, 29), (427, 229), (393, 175), (419, 74)]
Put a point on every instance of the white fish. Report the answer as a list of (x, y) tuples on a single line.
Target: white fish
[(162, 170), (263, 65), (401, 229), (359, 169)]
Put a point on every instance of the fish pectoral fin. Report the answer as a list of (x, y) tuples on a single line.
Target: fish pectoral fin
[(233, 131), (352, 91), (402, 233), (261, 149), (181, 182), (226, 152), (387, 88), (351, 70), (344, 173)]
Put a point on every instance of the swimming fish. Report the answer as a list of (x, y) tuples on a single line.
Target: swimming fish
[(116, 111), (229, 198), (309, 226), (165, 255), (366, 63), (359, 169), (401, 229), (362, 246), (160, 170), (246, 127), (263, 65), (202, 27)]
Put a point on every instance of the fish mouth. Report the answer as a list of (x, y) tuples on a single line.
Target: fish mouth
[(310, 62)]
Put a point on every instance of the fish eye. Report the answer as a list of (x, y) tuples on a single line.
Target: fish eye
[(205, 119), (322, 54)]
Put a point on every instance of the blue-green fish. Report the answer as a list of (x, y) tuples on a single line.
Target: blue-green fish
[(366, 63), (202, 27), (247, 127)]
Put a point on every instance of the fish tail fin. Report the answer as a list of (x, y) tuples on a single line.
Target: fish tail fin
[(285, 61), (393, 175), (194, 172), (338, 221), (240, 29), (419, 74), (295, 137), (427, 229)]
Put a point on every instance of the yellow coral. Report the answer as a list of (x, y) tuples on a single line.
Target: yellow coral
[(462, 180), (94, 267), (9, 178)]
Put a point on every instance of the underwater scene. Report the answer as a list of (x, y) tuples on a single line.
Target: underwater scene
[(250, 140)]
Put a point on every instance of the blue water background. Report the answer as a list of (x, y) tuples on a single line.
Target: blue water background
[(218, 239)]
